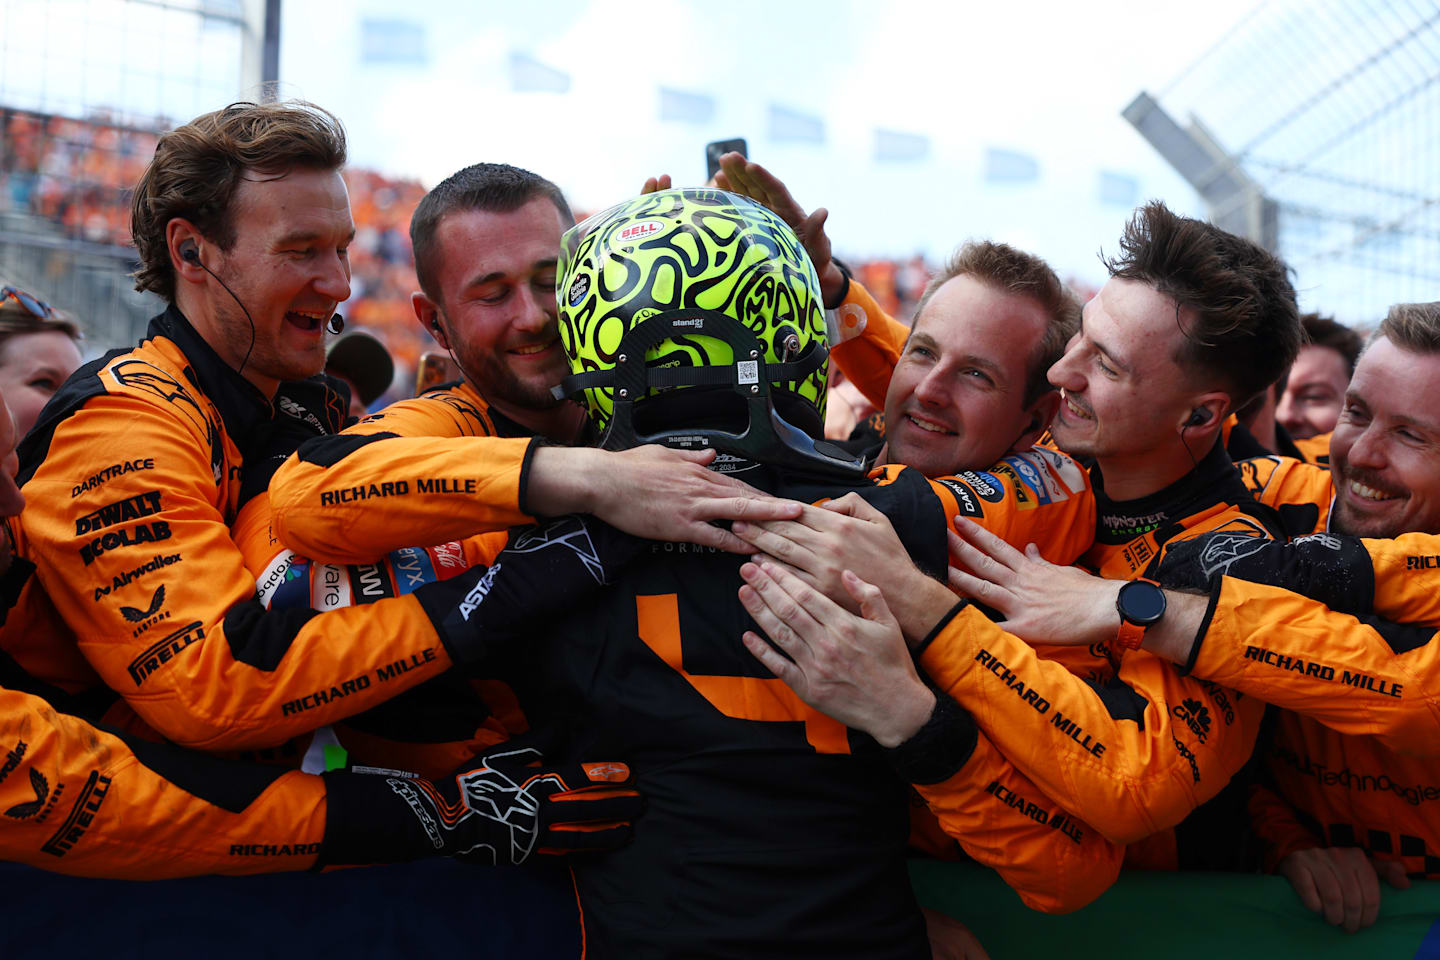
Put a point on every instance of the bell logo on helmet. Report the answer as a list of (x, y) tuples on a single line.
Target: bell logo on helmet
[(694, 258), (639, 231)]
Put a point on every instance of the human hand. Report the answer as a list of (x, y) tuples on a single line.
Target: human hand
[(1041, 601), (750, 179), (950, 939), (500, 808), (1339, 883), (655, 184), (856, 669), (850, 534), (652, 492)]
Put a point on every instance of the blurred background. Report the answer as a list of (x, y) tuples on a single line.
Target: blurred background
[(1312, 127)]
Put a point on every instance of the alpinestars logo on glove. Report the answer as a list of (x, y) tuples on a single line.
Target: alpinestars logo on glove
[(484, 792)]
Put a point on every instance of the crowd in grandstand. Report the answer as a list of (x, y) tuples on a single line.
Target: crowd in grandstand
[(728, 570)]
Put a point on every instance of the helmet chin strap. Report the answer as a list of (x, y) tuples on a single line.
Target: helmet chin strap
[(767, 438)]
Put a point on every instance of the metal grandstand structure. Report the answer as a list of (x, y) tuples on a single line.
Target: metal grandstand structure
[(84, 87), (1314, 127)]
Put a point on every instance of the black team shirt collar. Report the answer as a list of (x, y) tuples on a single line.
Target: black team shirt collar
[(1214, 480)]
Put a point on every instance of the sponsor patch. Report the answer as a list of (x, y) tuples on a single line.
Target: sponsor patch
[(477, 593), (162, 651), (848, 323), (1023, 500), (281, 569), (13, 757), (579, 288), (28, 809), (1028, 475), (329, 587), (413, 569), (987, 486), (370, 582), (82, 815), (967, 499), (1194, 715), (157, 562), (124, 537), (136, 615), (131, 508), (636, 232), (449, 559), (110, 473)]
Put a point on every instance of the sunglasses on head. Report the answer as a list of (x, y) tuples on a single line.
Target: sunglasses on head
[(37, 308)]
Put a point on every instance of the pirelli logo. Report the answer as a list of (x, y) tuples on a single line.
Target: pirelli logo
[(82, 815), (164, 650)]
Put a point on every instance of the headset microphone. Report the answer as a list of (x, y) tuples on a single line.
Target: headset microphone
[(335, 324), (190, 254)]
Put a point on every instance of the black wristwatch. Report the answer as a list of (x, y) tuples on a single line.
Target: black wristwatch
[(1141, 604)]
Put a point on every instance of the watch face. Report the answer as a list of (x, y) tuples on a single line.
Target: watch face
[(1141, 603)]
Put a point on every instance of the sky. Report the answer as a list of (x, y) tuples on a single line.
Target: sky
[(1047, 79)]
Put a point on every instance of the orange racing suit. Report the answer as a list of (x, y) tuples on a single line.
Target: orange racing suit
[(448, 468), (133, 477), (1127, 742), (993, 813), (1351, 758)]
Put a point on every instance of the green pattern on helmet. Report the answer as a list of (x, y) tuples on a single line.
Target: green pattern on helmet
[(696, 249)]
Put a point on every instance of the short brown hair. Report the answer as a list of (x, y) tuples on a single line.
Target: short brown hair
[(198, 167), (1246, 330), (1414, 326), (1325, 332), (1015, 271), (492, 187)]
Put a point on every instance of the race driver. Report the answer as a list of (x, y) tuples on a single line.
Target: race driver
[(801, 822)]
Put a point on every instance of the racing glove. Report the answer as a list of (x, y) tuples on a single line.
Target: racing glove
[(304, 409), (1332, 569), (501, 808)]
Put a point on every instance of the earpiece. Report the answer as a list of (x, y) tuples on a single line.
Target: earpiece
[(1198, 417), (435, 324), (189, 252)]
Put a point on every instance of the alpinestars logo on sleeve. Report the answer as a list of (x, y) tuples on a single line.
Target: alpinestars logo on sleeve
[(487, 793), (570, 533), (1223, 550)]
